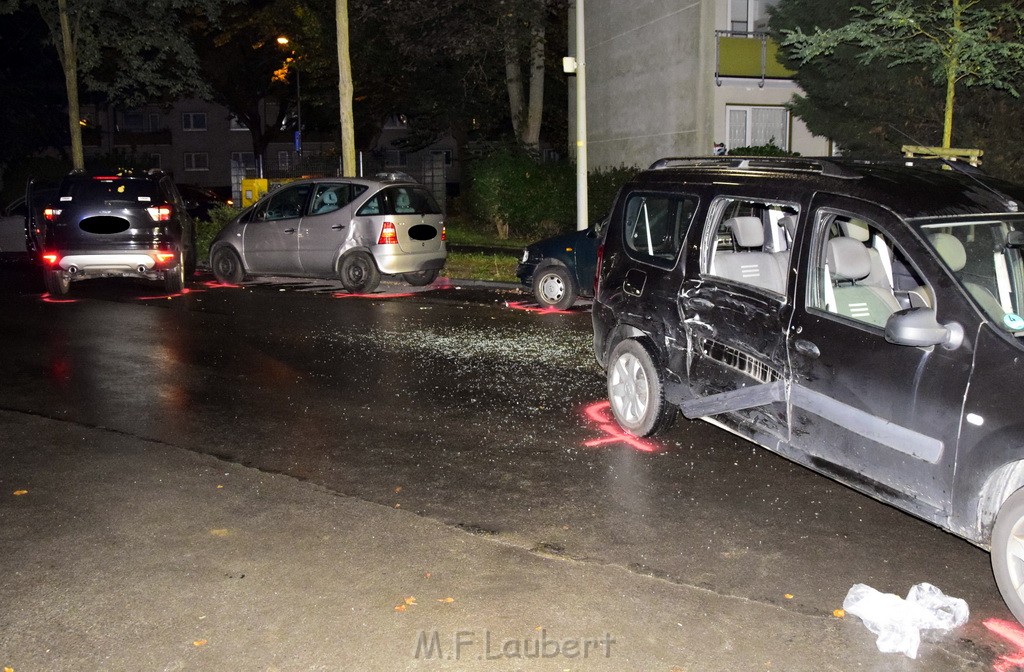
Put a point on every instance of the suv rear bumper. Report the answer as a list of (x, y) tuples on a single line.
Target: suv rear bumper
[(139, 263)]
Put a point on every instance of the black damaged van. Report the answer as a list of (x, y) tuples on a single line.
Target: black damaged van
[(864, 319)]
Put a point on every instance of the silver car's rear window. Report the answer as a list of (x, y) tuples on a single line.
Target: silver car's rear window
[(400, 200)]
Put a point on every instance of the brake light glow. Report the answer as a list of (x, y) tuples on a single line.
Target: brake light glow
[(51, 258), (388, 235), (51, 214), (161, 213), (164, 257), (444, 233)]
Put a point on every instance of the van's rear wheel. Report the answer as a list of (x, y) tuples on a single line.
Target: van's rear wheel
[(1008, 553), (636, 391), (57, 282)]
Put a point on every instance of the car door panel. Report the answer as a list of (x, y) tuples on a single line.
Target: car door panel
[(873, 413)]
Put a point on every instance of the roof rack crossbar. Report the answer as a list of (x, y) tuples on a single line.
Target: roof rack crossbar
[(819, 165)]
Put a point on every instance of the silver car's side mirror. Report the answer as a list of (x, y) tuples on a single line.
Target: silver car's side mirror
[(918, 327)]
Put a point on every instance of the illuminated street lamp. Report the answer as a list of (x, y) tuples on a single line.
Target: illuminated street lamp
[(284, 41)]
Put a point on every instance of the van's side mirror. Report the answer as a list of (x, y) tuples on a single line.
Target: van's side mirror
[(918, 327), (1015, 239)]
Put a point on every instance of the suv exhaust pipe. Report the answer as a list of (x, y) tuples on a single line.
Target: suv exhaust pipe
[(142, 268), (73, 270)]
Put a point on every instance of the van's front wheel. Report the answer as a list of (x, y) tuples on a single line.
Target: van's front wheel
[(636, 390), (1008, 553)]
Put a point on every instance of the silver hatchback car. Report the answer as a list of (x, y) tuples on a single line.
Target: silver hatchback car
[(346, 228)]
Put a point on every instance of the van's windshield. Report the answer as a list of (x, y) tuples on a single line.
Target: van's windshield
[(984, 255)]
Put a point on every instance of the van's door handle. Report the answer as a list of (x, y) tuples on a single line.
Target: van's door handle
[(806, 348), (338, 227), (289, 230)]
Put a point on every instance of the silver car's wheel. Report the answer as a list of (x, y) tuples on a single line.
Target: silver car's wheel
[(57, 282), (554, 288), (358, 273), (227, 267), (420, 278), (1008, 553), (635, 390)]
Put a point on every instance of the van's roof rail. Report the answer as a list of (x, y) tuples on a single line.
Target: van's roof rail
[(821, 165)]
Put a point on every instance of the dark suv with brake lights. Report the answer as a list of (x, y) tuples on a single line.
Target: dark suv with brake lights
[(864, 319), (130, 224)]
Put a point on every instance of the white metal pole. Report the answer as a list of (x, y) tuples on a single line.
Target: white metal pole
[(581, 121)]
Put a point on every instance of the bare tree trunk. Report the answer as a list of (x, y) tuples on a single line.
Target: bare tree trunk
[(345, 91), (514, 83), (67, 49), (530, 136)]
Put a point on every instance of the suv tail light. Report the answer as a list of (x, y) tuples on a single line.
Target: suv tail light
[(597, 269), (160, 213), (444, 233), (51, 258), (51, 214), (388, 235)]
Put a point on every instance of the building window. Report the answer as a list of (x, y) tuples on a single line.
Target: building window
[(395, 158), (131, 122), (442, 154), (236, 125), (154, 122), (284, 160), (193, 121), (155, 161), (749, 15), (753, 126), (197, 161), (243, 160)]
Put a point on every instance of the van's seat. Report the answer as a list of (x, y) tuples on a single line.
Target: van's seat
[(750, 264), (850, 264)]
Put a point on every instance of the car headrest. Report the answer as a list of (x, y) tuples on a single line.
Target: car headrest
[(950, 250), (857, 229), (330, 198), (747, 231), (848, 259), (788, 222)]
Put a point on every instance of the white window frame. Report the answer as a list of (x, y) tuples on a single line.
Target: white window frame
[(236, 125), (196, 162), (753, 18), (396, 158), (193, 121), (247, 160), (748, 133), (284, 160)]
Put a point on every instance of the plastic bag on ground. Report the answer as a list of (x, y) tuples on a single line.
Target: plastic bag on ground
[(898, 622)]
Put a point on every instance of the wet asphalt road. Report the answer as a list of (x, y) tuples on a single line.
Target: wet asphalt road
[(460, 405)]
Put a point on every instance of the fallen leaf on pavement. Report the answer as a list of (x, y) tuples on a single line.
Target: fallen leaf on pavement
[(17, 493), (788, 596), (446, 600), (220, 532), (410, 600), (199, 642), (400, 607), (839, 613)]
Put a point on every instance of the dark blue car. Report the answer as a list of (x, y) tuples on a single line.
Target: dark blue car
[(560, 268)]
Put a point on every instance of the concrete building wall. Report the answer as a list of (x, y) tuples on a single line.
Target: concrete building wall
[(651, 88)]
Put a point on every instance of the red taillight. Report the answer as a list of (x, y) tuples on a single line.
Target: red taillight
[(388, 235), (597, 269), (51, 214), (444, 233), (51, 258), (164, 257), (160, 213)]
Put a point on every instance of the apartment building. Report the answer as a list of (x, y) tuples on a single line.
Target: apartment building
[(674, 77)]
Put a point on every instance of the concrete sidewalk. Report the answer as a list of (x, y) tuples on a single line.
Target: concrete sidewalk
[(123, 554)]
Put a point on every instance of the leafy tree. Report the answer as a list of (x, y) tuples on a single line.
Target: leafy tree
[(962, 42), (132, 51)]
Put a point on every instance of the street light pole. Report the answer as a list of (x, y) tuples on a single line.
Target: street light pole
[(283, 41)]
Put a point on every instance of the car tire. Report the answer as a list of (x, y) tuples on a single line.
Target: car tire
[(58, 283), (227, 267), (358, 273), (420, 278), (553, 287), (636, 390), (1008, 553), (174, 278)]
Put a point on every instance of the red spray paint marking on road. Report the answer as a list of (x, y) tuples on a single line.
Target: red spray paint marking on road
[(598, 413), (533, 308), (46, 298), (1013, 633), (171, 296)]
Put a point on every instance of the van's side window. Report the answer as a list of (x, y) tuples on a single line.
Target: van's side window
[(655, 226), (749, 242)]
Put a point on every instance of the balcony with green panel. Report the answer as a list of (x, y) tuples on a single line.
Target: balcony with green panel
[(751, 55)]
